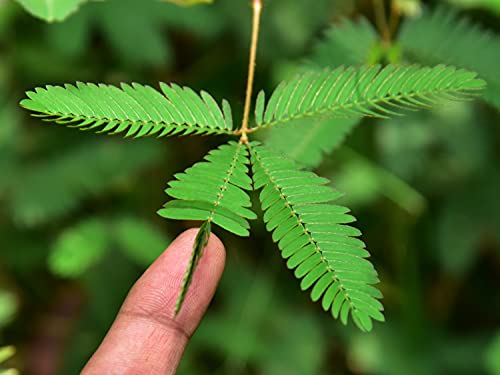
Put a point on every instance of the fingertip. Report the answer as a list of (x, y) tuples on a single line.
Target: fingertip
[(157, 290), (146, 329)]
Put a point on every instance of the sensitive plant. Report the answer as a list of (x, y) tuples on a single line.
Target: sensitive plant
[(313, 233)]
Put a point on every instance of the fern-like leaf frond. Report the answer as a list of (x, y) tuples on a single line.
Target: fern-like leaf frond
[(347, 43), (308, 141), (312, 234), (48, 190), (367, 91), (213, 191), (134, 110), (305, 141), (442, 36)]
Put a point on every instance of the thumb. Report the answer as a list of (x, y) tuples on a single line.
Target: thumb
[(146, 337)]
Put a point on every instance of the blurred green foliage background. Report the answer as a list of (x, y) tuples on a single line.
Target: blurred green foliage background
[(77, 210)]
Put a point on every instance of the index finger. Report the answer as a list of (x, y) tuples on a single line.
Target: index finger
[(146, 337)]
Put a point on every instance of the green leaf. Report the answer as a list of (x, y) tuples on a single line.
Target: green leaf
[(492, 355), (347, 43), (312, 235), (214, 191), (200, 242), (50, 189), (51, 10), (442, 36), (307, 141), (79, 248), (9, 305), (133, 110), (373, 91), (139, 240), (6, 352)]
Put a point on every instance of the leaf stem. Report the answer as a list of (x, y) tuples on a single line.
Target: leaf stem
[(381, 20), (394, 18), (257, 10)]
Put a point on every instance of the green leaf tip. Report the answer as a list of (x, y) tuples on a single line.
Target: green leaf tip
[(200, 243)]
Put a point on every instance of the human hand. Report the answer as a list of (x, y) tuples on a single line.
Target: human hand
[(146, 338)]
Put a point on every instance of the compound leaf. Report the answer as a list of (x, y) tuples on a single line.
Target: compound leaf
[(313, 236), (442, 36), (373, 91), (347, 43), (213, 191), (307, 141), (134, 110)]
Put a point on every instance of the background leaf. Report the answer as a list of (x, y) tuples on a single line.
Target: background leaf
[(79, 248), (51, 10)]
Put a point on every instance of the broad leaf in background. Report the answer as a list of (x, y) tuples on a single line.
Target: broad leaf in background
[(8, 306), (79, 248), (85, 244), (51, 10)]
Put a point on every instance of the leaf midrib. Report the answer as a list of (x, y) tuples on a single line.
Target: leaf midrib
[(94, 119)]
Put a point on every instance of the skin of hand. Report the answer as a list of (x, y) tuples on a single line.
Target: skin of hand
[(146, 337)]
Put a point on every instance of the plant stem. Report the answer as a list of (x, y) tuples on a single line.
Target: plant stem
[(394, 18), (381, 20), (257, 9)]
